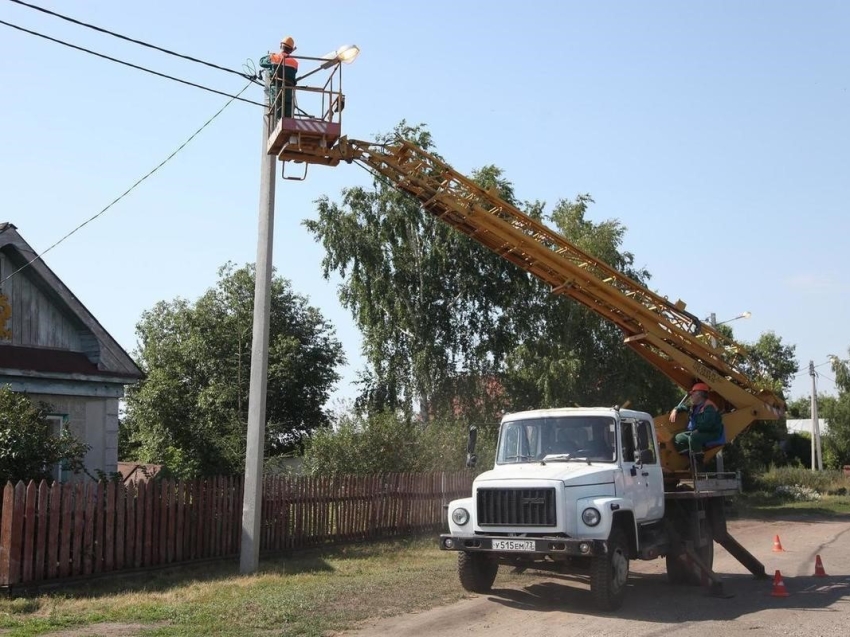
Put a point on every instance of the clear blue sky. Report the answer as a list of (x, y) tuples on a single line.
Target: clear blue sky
[(717, 132)]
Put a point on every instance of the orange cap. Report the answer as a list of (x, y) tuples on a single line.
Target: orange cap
[(699, 387)]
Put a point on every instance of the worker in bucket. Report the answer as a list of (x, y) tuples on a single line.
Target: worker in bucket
[(705, 426), (284, 69)]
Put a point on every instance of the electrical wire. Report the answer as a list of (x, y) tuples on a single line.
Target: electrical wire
[(134, 41), (806, 371), (131, 188), (134, 66)]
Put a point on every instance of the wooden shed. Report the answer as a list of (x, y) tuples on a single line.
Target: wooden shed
[(53, 349)]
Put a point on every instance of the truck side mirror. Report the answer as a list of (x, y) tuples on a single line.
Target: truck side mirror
[(645, 456), (471, 458)]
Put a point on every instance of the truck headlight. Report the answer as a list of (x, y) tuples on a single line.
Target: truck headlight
[(590, 516), (460, 516)]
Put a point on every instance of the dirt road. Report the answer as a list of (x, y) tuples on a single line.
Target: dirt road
[(553, 606)]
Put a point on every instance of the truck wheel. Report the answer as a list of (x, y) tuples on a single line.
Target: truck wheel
[(683, 572), (476, 572), (610, 573)]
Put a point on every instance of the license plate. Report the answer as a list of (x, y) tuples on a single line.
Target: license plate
[(513, 545)]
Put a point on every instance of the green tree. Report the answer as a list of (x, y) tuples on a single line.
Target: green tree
[(570, 355), (771, 365), (799, 408), (28, 450), (452, 326), (382, 443), (836, 410), (429, 302), (364, 446), (190, 412)]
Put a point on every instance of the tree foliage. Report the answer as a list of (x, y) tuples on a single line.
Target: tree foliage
[(453, 328), (28, 450), (190, 412), (836, 445), (570, 355), (429, 302), (772, 365), (386, 443)]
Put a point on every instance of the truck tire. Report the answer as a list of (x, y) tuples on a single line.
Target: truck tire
[(683, 572), (476, 572), (609, 573)]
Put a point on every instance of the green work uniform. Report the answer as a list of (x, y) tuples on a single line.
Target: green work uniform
[(704, 425), (284, 72)]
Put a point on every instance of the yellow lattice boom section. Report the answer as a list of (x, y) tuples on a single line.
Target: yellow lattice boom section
[(663, 332)]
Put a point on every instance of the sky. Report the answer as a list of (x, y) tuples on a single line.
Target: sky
[(717, 133)]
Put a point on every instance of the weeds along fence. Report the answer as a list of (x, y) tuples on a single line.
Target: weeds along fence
[(61, 531)]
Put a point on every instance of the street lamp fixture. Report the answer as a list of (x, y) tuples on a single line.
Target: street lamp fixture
[(348, 53), (714, 323), (345, 54)]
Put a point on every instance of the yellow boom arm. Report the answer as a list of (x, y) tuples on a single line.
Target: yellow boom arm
[(664, 333)]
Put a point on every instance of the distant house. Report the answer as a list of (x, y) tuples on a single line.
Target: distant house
[(55, 351), (804, 425)]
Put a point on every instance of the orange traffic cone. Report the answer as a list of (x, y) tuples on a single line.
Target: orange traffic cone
[(777, 545), (819, 572), (779, 589)]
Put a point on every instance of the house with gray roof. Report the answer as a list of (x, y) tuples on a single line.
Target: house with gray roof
[(53, 349)]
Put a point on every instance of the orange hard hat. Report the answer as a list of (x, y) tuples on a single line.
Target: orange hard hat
[(288, 41), (699, 387)]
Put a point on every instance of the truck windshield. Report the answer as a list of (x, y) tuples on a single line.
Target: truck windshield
[(565, 438)]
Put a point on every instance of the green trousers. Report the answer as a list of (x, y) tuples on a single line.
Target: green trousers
[(694, 441), (282, 107)]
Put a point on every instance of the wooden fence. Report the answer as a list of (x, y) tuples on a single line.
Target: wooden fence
[(57, 531)]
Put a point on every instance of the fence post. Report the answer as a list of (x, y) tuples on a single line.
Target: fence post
[(6, 533), (11, 532)]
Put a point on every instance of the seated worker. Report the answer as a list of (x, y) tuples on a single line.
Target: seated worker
[(704, 422)]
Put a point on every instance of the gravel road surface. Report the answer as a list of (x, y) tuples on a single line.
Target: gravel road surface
[(553, 606)]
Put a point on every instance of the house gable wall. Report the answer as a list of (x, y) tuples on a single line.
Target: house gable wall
[(36, 320)]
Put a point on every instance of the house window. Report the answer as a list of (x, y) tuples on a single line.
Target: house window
[(58, 424)]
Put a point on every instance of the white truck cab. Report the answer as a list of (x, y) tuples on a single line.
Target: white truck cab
[(570, 487)]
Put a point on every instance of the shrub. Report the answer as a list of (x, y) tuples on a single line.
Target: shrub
[(822, 482), (27, 448), (386, 443)]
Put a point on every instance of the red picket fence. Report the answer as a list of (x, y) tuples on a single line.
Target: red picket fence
[(57, 531)]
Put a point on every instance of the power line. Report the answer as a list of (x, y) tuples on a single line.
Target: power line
[(806, 372), (131, 188), (134, 41), (134, 66)]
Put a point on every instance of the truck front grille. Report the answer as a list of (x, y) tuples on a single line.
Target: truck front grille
[(516, 507)]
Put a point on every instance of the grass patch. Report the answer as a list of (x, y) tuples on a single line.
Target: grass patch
[(824, 482), (307, 595), (759, 504), (798, 491)]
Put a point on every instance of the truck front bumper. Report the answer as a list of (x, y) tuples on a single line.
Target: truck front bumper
[(523, 545)]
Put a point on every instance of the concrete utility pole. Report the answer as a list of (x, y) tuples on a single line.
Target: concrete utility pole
[(816, 450), (718, 459), (249, 557)]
